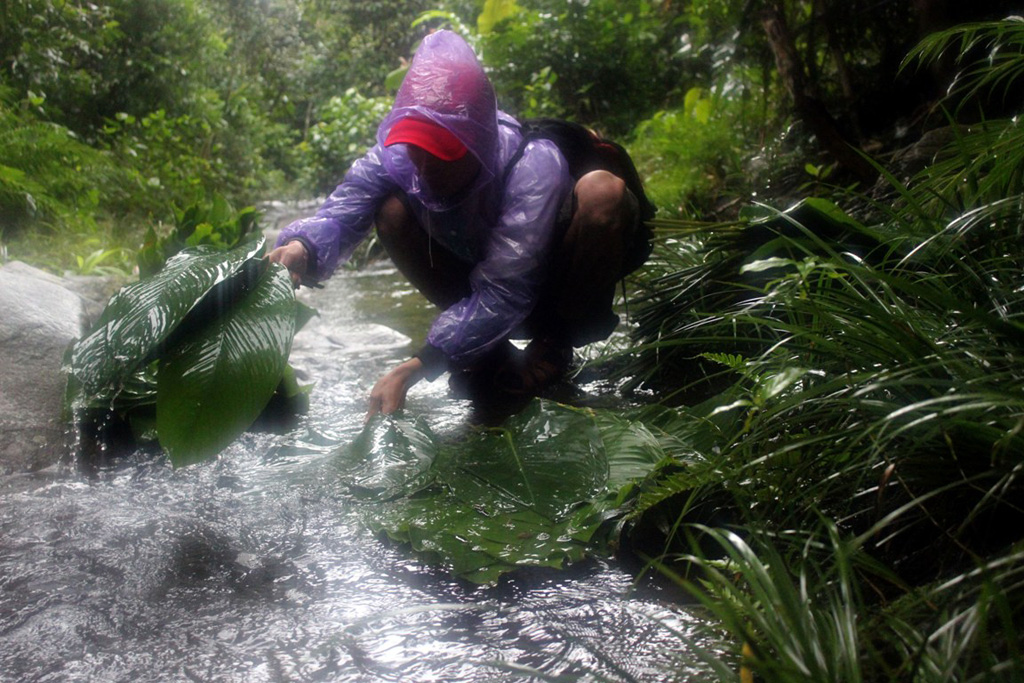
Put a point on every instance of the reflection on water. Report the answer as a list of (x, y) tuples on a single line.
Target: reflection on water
[(254, 567)]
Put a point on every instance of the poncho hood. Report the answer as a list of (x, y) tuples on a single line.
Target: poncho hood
[(447, 85)]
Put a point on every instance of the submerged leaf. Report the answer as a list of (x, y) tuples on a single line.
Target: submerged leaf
[(477, 546), (547, 460), (390, 457), (531, 493)]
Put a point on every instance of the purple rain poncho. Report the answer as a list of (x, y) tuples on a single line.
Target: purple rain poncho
[(504, 225)]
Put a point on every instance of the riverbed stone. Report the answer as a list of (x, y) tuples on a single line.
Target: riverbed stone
[(40, 317)]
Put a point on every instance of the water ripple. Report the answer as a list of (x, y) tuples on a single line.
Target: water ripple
[(254, 567)]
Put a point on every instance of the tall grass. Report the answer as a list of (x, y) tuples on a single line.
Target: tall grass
[(887, 400), (864, 392)]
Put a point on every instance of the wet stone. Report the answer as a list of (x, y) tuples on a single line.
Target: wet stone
[(40, 317)]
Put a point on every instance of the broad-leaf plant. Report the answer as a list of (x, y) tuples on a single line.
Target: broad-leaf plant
[(191, 353)]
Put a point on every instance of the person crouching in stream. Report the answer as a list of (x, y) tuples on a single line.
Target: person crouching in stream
[(523, 252)]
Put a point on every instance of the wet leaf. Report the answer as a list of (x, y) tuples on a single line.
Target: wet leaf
[(214, 382), (548, 458), (140, 317), (531, 493), (390, 457)]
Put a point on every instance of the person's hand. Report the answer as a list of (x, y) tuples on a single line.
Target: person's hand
[(388, 395), (294, 257)]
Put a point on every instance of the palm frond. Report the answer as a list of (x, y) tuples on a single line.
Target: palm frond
[(989, 55)]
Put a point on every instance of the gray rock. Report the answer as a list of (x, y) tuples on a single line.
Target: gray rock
[(94, 290), (39, 318)]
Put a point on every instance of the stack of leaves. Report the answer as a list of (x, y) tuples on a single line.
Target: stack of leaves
[(192, 354)]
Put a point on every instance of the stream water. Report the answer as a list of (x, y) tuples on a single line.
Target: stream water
[(253, 567)]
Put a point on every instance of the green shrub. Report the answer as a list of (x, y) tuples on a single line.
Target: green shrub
[(47, 176), (215, 224), (346, 129), (688, 157), (176, 160), (606, 62)]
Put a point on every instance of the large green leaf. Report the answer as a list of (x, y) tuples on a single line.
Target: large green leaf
[(479, 545), (141, 317), (534, 492), (214, 382), (392, 458), (546, 459)]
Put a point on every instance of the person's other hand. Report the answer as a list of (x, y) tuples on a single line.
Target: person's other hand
[(388, 395), (294, 257)]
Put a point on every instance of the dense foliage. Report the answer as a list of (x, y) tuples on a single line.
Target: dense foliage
[(862, 384), (112, 114), (137, 106)]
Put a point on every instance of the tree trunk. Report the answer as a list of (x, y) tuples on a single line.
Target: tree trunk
[(808, 106)]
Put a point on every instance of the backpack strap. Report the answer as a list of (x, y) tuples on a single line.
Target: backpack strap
[(528, 136)]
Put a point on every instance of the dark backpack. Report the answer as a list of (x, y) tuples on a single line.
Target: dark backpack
[(586, 151)]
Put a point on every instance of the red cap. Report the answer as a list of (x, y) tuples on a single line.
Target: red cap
[(427, 135)]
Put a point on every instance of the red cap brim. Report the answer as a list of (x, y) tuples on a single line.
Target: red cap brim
[(428, 136)]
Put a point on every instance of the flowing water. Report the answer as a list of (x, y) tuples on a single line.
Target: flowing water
[(254, 567)]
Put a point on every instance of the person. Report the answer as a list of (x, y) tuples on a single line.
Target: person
[(525, 252)]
